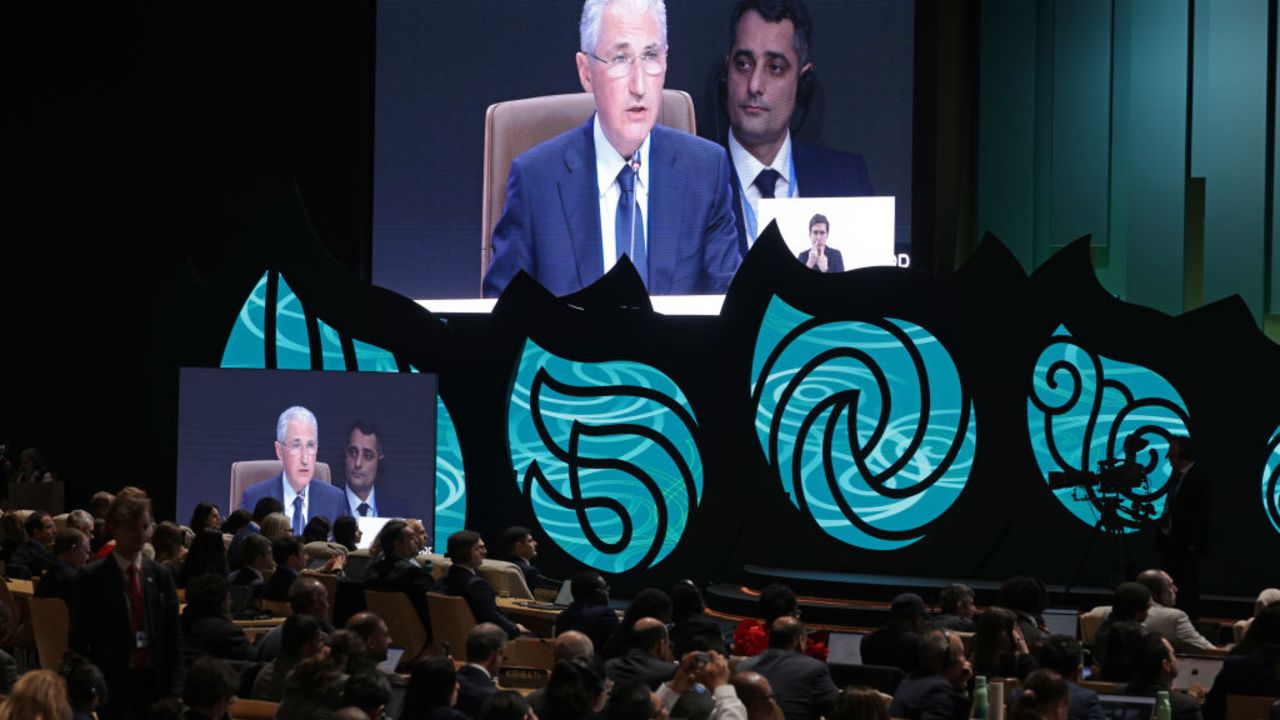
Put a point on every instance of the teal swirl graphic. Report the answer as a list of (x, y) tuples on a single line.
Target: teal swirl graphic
[(1271, 481), (606, 454), (1081, 408), (866, 424)]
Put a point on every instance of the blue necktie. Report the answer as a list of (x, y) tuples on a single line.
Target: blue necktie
[(628, 225), (297, 515)]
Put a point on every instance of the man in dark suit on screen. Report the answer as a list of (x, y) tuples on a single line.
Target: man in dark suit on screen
[(296, 447), (1183, 534), (365, 457), (619, 184), (769, 74), (466, 549)]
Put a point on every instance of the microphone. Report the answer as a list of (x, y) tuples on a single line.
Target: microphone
[(635, 161), (635, 168)]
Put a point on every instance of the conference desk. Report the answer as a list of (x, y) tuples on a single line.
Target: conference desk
[(540, 621)]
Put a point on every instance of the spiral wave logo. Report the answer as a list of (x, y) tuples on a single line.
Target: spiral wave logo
[(866, 424), (606, 454), (1081, 409), (1271, 481)]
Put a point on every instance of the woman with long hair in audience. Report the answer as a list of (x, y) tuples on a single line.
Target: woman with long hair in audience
[(998, 647), (38, 695), (1045, 696), (206, 515), (1252, 667), (208, 554), (275, 526), (432, 690), (859, 703), (577, 690)]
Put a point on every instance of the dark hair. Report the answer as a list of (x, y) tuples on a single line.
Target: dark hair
[(366, 690), (208, 554), (70, 539), (34, 522), (994, 635), (99, 503), (819, 219), (344, 531), (1149, 658), (305, 593), (238, 519), (630, 701), (573, 689), (1129, 600), (364, 624), (513, 535), (649, 602), (935, 651), (504, 705), (209, 681), (588, 585), (367, 428), (344, 646), (167, 539), (1024, 593), (200, 515), (776, 11), (206, 597), (1040, 691), (859, 703), (1122, 642), (460, 544), (316, 530), (253, 547), (431, 681), (85, 683), (483, 641), (952, 595), (775, 601), (265, 507), (391, 533), (298, 630), (284, 548), (686, 601), (1264, 630), (1061, 653)]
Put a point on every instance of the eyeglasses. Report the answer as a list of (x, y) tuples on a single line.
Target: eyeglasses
[(297, 448), (653, 62)]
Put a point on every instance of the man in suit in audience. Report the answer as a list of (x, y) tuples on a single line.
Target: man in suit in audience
[(802, 684), (377, 641), (477, 680), (897, 644), (124, 617), (467, 551), (307, 596), (291, 559), (1062, 654), (70, 553), (1183, 534), (520, 547), (364, 463), (300, 639), (397, 571), (935, 690), (32, 558), (1165, 618), (296, 447), (1155, 667), (955, 605), (255, 563), (648, 661), (589, 612)]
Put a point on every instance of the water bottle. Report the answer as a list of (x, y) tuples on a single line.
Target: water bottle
[(980, 704), (1164, 711)]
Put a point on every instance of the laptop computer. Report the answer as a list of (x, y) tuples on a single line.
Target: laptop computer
[(393, 660), (1127, 707), (844, 648), (1061, 621), (1199, 670), (562, 601)]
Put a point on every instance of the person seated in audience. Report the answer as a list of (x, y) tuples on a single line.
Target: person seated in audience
[(300, 639), (86, 688), (32, 558), (369, 691), (307, 596), (998, 648), (291, 559), (275, 526), (12, 536), (419, 532), (801, 683), (1045, 696), (264, 507), (313, 690), (567, 645), (346, 532), (397, 571), (209, 690), (712, 670), (255, 564), (648, 661), (691, 629), (589, 613), (577, 690), (477, 680), (8, 666), (1252, 667), (109, 544), (432, 691), (70, 553), (346, 649), (38, 695), (374, 635), (1154, 668), (98, 504), (316, 536), (756, 694), (206, 623), (82, 521), (1062, 654), (1120, 652), (956, 609), (208, 554), (649, 602), (1163, 617), (635, 701), (751, 636), (206, 515), (897, 643), (859, 703), (169, 542), (1027, 597), (467, 551), (520, 547), (506, 705), (1265, 598), (1129, 604), (935, 690)]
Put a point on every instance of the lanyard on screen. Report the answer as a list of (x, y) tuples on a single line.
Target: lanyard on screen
[(749, 213)]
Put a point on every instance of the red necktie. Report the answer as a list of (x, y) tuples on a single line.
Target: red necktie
[(137, 618)]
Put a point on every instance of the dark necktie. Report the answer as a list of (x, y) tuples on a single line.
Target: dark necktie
[(137, 619), (766, 181), (628, 236), (298, 523), (363, 509)]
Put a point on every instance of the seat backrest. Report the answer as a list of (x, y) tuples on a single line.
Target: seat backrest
[(451, 620), (531, 652), (243, 709), (247, 472), (49, 622), (402, 621), (513, 126), (1249, 707), (505, 577), (1091, 621)]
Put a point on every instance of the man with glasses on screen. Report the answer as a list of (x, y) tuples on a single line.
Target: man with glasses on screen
[(364, 460), (619, 184), (296, 447)]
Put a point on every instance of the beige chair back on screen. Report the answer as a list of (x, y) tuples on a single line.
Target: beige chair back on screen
[(247, 472)]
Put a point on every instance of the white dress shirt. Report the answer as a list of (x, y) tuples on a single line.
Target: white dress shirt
[(354, 501), (747, 168), (608, 162), (289, 495)]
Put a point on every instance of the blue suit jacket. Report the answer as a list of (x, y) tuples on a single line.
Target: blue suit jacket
[(819, 173), (324, 499), (550, 227)]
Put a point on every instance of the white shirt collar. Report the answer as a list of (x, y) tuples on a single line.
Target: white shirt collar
[(290, 494), (748, 167), (124, 563), (609, 161), (354, 501)]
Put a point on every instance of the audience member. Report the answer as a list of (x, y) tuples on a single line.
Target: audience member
[(375, 638), (634, 701), (1154, 668), (205, 516), (14, 535), (32, 558), (859, 703), (589, 613), (432, 690), (1165, 618), (82, 521), (169, 542), (300, 639), (998, 647), (897, 643), (751, 636), (208, 554), (255, 564), (648, 662), (712, 670), (1129, 604), (802, 684), (397, 571), (956, 610), (1027, 597), (419, 533), (99, 503), (520, 547), (109, 544), (756, 694), (1062, 654), (8, 666), (506, 705), (935, 690), (1044, 696), (576, 690), (307, 596), (1116, 654), (86, 688), (691, 629), (346, 532), (70, 553), (316, 536), (649, 602), (567, 645), (38, 695), (261, 510), (1252, 667), (291, 559), (467, 551), (275, 526), (209, 690), (206, 624), (369, 691), (313, 690), (477, 680)]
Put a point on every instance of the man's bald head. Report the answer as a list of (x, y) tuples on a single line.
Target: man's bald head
[(651, 636), (786, 633), (756, 693), (1160, 585), (571, 644)]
